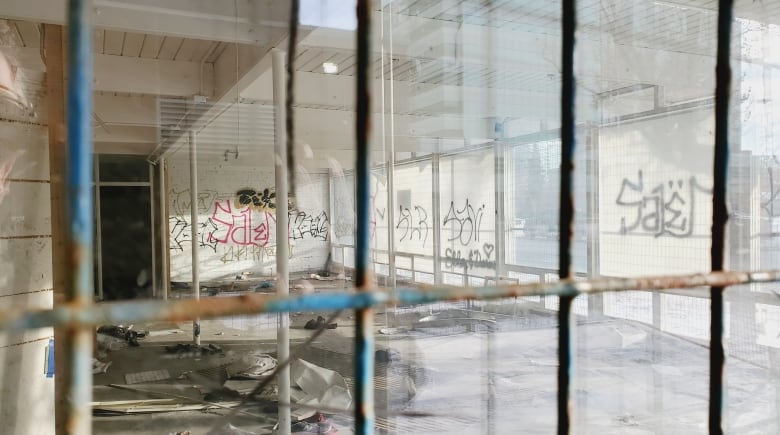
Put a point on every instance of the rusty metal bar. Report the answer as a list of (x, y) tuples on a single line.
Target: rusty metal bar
[(186, 309), (566, 217), (364, 340), (80, 210), (719, 211)]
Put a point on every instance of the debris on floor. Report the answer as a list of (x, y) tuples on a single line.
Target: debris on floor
[(316, 386), (318, 323), (318, 424), (125, 333), (262, 286), (148, 376), (99, 367), (253, 365), (189, 349), (386, 355)]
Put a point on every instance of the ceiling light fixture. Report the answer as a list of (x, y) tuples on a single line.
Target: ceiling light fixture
[(330, 68)]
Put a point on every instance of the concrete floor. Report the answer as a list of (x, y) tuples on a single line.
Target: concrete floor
[(630, 378)]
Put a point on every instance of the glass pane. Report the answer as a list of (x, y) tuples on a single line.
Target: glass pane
[(466, 367), (645, 107)]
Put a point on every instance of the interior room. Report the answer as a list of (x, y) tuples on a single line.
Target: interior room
[(296, 222)]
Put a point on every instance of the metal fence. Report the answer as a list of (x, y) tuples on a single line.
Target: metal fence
[(76, 316)]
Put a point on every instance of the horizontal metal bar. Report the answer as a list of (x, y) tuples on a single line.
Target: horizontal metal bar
[(188, 309)]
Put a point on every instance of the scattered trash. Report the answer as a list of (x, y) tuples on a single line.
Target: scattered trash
[(149, 376), (323, 278), (318, 323), (99, 367), (189, 349), (254, 365), (318, 386), (219, 333), (119, 331), (393, 331), (247, 386), (317, 424), (222, 394), (262, 285), (386, 355)]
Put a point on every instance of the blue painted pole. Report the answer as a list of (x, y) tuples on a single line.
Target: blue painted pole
[(364, 338), (80, 214)]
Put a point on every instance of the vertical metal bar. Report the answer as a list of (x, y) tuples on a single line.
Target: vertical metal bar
[(500, 223), (194, 230), (436, 202), (391, 169), (282, 249), (566, 209), (98, 231), (152, 210), (292, 46), (719, 211), (80, 229), (364, 340), (164, 246)]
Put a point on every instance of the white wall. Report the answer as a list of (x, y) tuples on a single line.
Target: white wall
[(235, 238), (27, 406), (659, 223)]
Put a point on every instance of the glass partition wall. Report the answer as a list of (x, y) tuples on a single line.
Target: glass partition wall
[(302, 224)]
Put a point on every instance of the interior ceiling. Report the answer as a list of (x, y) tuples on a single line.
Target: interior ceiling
[(681, 27)]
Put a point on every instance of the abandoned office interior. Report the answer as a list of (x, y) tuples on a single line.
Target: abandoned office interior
[(303, 219)]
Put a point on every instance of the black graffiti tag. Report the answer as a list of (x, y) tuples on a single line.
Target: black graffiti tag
[(466, 222), (413, 229)]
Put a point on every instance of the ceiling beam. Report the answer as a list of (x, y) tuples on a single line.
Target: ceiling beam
[(149, 76), (249, 22), (131, 74)]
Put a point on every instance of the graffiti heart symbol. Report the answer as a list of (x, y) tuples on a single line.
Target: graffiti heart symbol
[(488, 248)]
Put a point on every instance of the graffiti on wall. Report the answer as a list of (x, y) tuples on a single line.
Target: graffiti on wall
[(465, 222), (180, 201), (303, 224), (413, 224), (180, 233), (248, 253), (666, 209), (242, 226), (472, 258)]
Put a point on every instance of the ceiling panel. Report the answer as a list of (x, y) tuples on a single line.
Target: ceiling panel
[(151, 46), (133, 44), (169, 48), (113, 41)]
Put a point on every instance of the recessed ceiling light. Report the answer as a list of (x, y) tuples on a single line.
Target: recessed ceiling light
[(330, 68)]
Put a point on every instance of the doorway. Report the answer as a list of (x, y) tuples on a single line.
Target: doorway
[(124, 254)]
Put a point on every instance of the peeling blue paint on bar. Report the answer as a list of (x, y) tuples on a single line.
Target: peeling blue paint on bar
[(719, 211), (364, 319), (79, 288), (187, 309), (566, 210)]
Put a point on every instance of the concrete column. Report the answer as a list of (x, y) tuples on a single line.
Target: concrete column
[(282, 240), (194, 230)]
